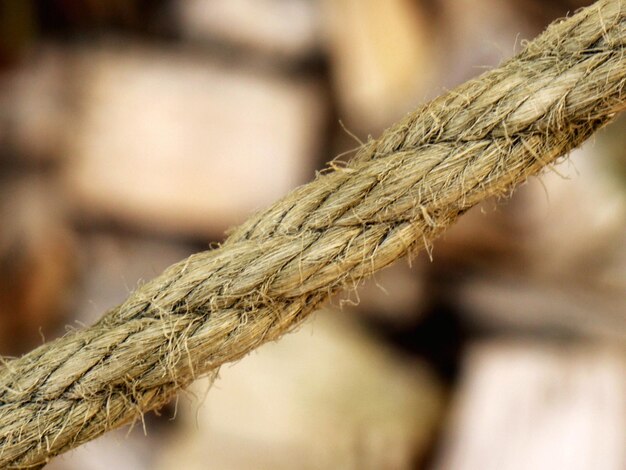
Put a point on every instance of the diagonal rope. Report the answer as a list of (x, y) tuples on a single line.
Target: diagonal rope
[(398, 194)]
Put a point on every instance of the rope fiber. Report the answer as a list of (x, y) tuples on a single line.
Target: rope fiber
[(396, 196)]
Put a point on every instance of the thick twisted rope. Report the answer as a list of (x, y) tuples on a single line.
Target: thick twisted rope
[(397, 194)]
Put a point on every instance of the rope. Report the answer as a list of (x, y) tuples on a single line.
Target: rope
[(398, 193)]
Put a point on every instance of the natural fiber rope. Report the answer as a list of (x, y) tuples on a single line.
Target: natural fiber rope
[(398, 194)]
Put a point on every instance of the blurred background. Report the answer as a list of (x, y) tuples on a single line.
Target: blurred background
[(133, 133)]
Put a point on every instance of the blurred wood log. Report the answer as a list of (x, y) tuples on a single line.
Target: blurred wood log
[(505, 302), (480, 34), (383, 59), (37, 264), (283, 407), (284, 29), (118, 449), (178, 144), (33, 110), (388, 56), (532, 406)]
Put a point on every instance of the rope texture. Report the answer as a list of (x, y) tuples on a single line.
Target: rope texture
[(394, 197)]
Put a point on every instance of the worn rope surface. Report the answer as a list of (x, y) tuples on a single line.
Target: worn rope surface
[(397, 194)]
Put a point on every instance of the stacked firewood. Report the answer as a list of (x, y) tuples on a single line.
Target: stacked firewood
[(134, 133)]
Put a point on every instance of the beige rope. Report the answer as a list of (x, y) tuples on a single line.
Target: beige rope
[(397, 195)]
